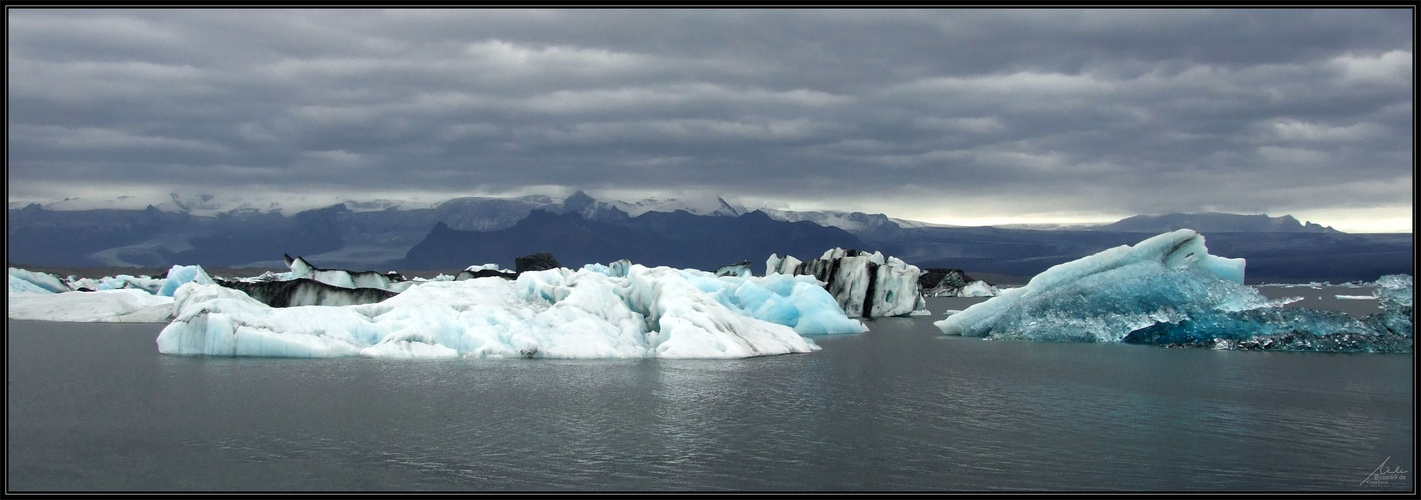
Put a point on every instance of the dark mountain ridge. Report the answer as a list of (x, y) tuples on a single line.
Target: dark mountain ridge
[(678, 239), (581, 229), (1213, 222)]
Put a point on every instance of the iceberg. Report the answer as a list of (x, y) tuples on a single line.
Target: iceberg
[(613, 311), (1394, 295), (26, 281), (122, 281), (1104, 297), (392, 281), (777, 265), (1169, 290), (954, 283), (485, 271), (44, 297), (124, 305), (741, 269), (30, 281), (798, 302), (307, 285), (306, 292), (181, 275), (617, 269), (20, 285), (979, 288), (866, 285)]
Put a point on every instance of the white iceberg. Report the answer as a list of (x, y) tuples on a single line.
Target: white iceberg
[(617, 311), (40, 296), (125, 305), (979, 289), (122, 281), (956, 283), (975, 288)]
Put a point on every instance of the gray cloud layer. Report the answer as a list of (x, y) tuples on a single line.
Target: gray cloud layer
[(932, 114)]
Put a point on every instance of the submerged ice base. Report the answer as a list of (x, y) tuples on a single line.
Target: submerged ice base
[(1169, 290), (618, 311)]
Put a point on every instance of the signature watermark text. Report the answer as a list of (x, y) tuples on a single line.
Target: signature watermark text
[(1384, 474)]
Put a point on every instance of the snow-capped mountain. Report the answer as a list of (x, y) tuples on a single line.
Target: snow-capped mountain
[(713, 206), (590, 207), (868, 226)]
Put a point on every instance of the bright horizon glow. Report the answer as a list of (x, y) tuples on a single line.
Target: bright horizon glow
[(1363, 220)]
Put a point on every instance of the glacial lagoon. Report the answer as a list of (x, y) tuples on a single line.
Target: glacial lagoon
[(95, 407)]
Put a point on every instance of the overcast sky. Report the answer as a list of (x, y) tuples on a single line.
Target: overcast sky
[(954, 116)]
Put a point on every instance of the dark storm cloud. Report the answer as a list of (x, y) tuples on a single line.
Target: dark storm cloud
[(917, 113)]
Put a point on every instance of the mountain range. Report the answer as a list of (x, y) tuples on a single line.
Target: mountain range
[(580, 229), (1214, 222)]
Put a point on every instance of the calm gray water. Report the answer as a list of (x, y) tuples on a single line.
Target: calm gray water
[(902, 407)]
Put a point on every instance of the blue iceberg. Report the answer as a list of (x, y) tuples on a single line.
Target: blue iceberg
[(1169, 290), (182, 275), (26, 281)]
